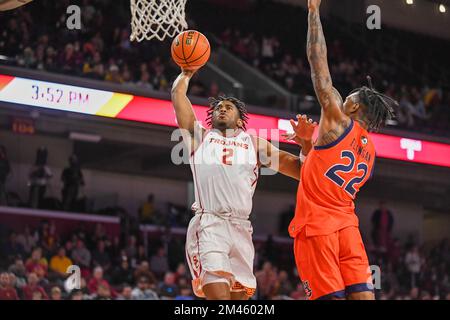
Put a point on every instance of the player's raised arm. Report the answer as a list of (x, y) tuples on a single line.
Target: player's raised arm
[(183, 108), (328, 97)]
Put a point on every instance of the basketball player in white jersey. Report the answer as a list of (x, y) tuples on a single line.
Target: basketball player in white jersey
[(225, 163)]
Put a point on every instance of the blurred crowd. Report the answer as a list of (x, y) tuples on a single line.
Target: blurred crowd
[(34, 266), (421, 107), (126, 266), (102, 50)]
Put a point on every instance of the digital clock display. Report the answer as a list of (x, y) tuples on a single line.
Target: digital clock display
[(55, 96)]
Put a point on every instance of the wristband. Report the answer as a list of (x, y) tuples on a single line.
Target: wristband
[(302, 157)]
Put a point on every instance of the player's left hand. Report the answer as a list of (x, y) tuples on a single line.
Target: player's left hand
[(303, 129)]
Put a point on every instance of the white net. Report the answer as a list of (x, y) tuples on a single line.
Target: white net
[(157, 19)]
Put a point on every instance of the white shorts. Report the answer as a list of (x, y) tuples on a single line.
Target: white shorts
[(223, 248)]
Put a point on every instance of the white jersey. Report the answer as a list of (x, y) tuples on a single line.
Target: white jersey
[(225, 172)]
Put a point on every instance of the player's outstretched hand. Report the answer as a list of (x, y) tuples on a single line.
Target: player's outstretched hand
[(188, 72), (313, 4), (303, 129)]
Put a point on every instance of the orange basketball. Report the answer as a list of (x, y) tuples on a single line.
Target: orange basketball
[(190, 49)]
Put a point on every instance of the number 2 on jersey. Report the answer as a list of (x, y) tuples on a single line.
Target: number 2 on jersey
[(333, 175), (227, 155)]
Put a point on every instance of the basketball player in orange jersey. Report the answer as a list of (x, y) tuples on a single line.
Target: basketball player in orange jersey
[(224, 162), (329, 252)]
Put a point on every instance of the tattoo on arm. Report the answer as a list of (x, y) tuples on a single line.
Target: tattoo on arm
[(333, 134), (317, 56)]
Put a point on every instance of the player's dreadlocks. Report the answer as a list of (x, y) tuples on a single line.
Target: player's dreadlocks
[(213, 103), (378, 107)]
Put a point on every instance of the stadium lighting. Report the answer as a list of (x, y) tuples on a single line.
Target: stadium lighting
[(442, 8), (409, 2)]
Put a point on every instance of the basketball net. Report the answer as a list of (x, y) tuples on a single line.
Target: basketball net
[(157, 19)]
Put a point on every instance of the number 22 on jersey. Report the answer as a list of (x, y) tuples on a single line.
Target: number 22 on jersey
[(338, 172)]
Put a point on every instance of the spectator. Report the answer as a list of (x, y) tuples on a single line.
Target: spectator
[(414, 293), (159, 80), (60, 263), (39, 177), (147, 210), (28, 240), (413, 261), (266, 280), (181, 272), (41, 273), (382, 224), (38, 295), (32, 287), (168, 289), (143, 270), (299, 293), (123, 272), (76, 295), (7, 292), (143, 291), (69, 246), (131, 249), (185, 293), (144, 81), (36, 261), (12, 247), (100, 257), (97, 280), (55, 293), (141, 254), (103, 292), (284, 285), (81, 256), (114, 75), (18, 269), (100, 234), (116, 251), (72, 178), (84, 289), (49, 237), (126, 293), (389, 279), (214, 90), (159, 262), (5, 169)]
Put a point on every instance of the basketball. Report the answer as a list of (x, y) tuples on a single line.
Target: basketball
[(190, 49)]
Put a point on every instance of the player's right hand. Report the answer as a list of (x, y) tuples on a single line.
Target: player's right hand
[(188, 72), (314, 4)]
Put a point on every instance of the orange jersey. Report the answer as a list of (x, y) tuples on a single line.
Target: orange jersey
[(330, 179)]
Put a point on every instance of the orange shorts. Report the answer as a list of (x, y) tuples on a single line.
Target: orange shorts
[(334, 265)]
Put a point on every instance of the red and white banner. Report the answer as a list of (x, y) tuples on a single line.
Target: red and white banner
[(57, 96)]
